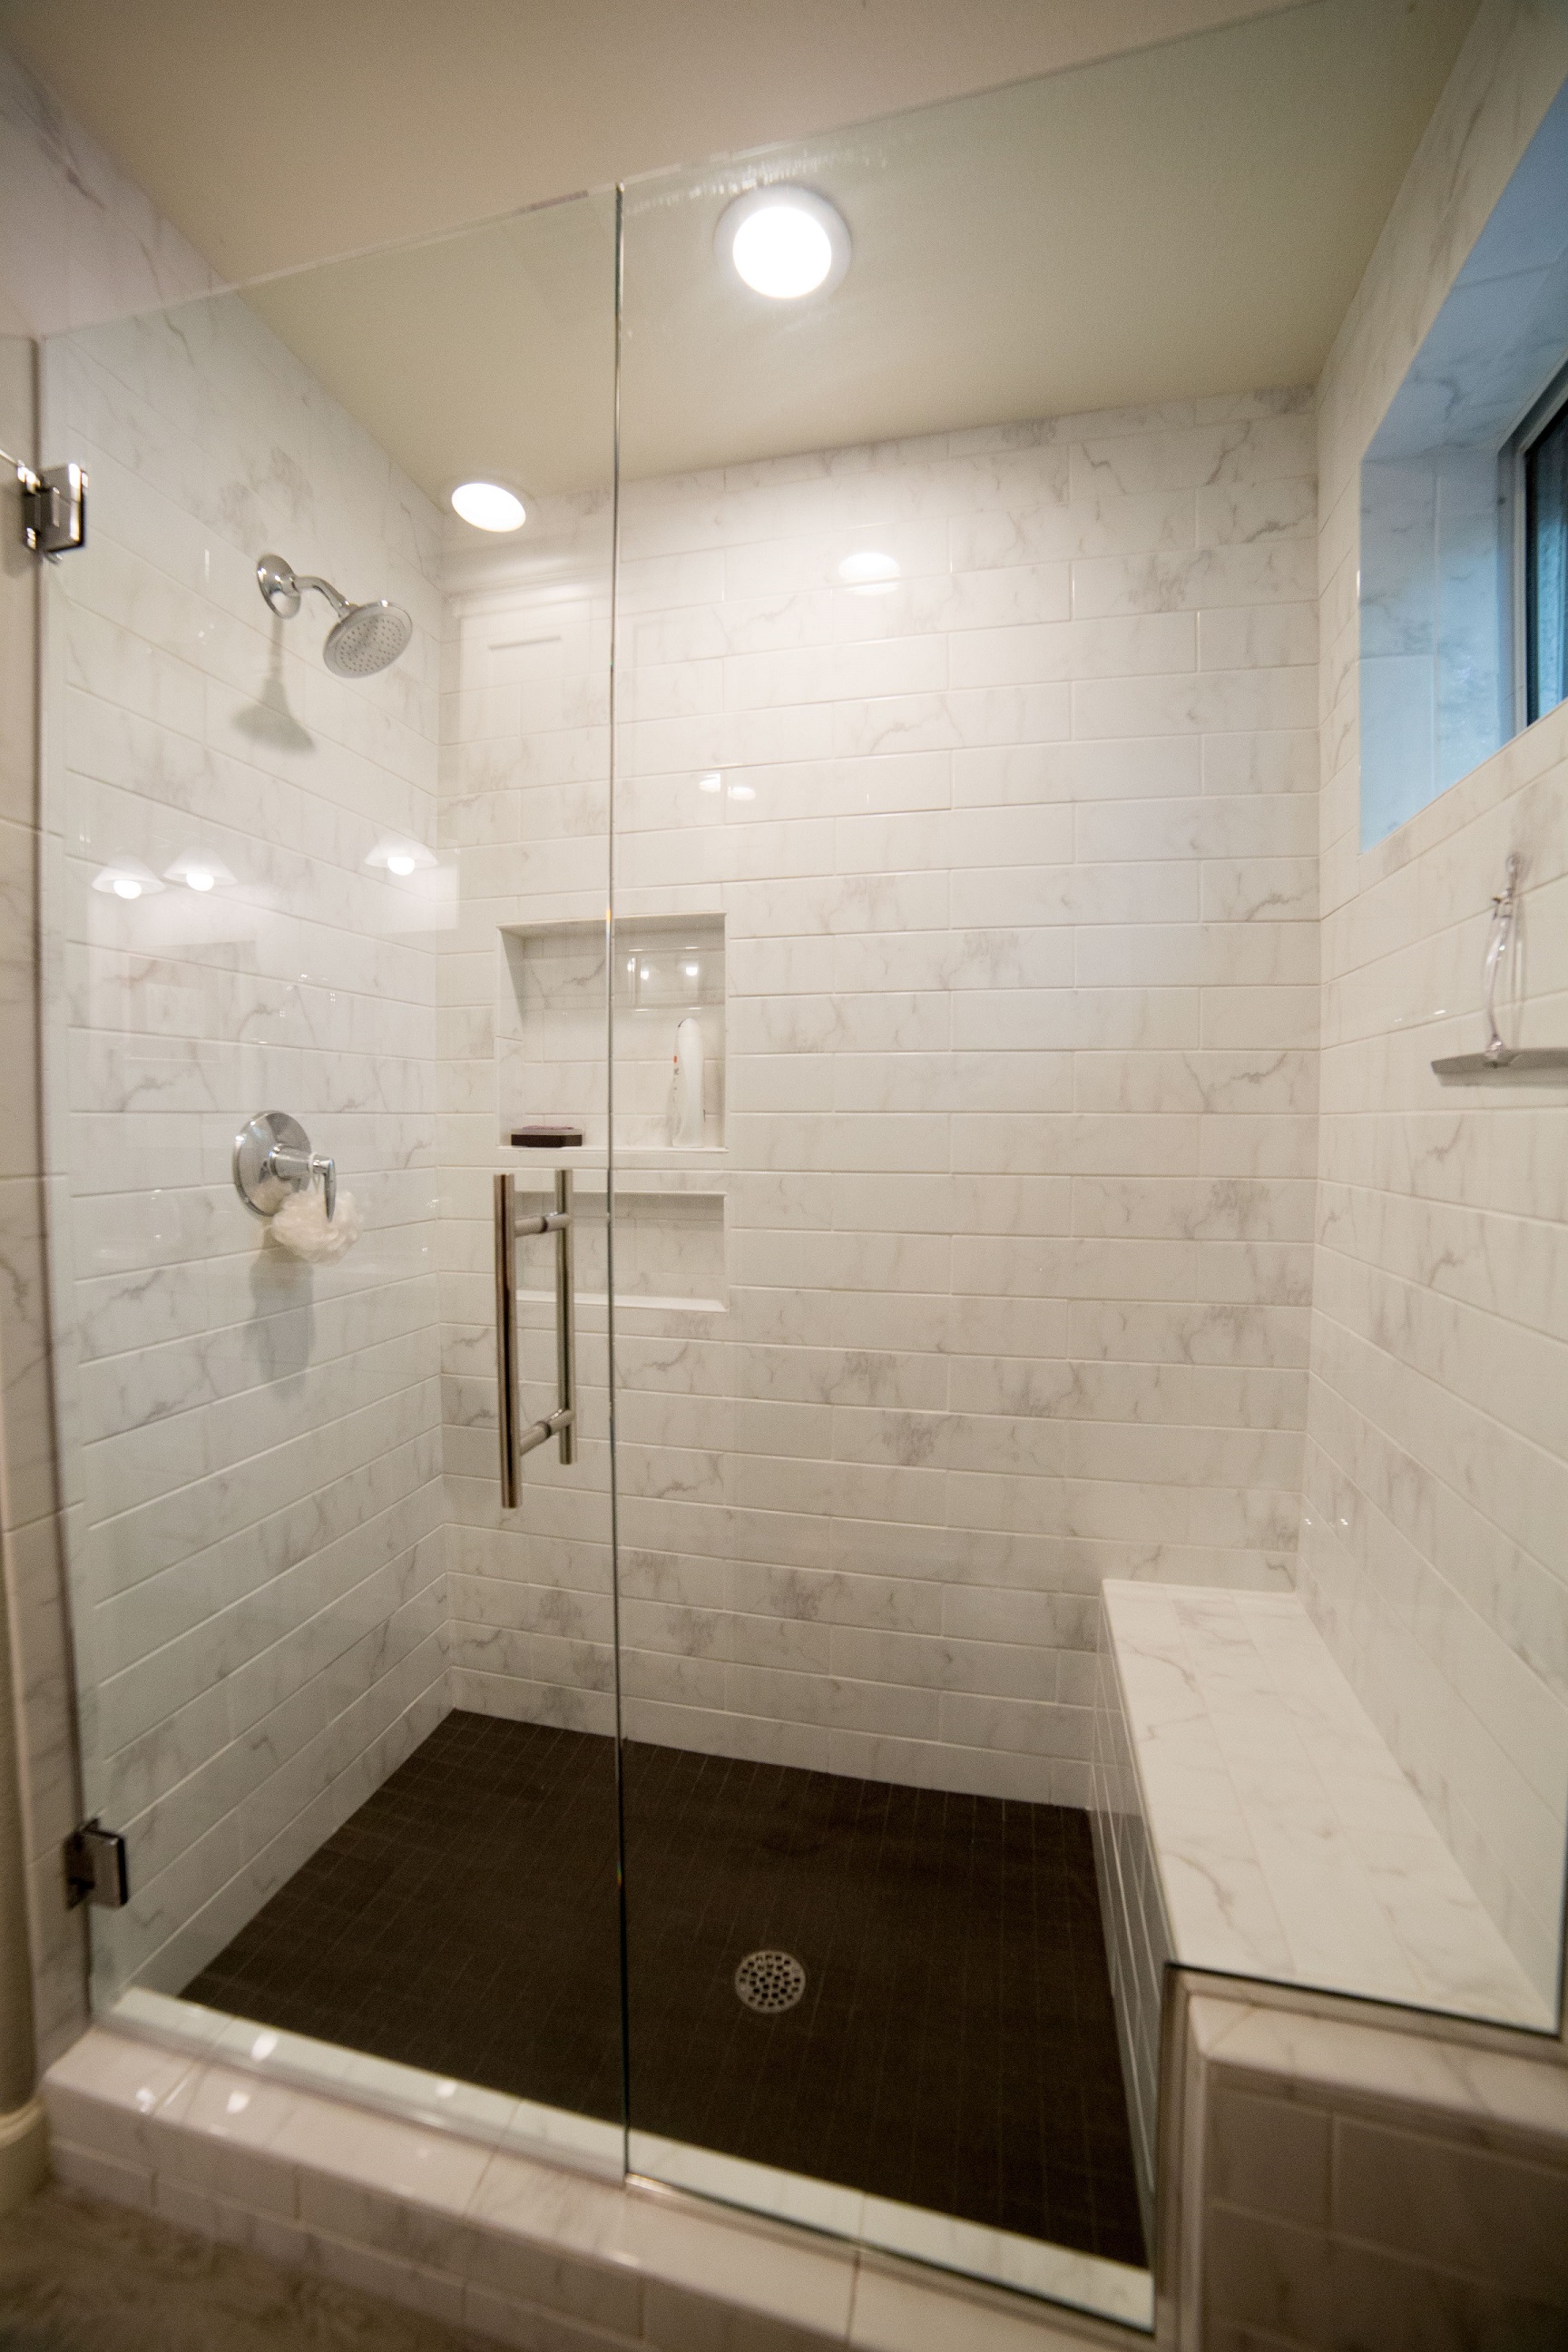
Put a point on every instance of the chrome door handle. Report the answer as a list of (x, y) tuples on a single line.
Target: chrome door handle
[(515, 1439)]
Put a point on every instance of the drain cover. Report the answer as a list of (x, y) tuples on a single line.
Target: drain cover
[(770, 1981)]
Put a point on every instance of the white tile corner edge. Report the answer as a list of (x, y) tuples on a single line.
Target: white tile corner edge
[(1027, 2267), (318, 2179), (493, 2118), (1055, 2274)]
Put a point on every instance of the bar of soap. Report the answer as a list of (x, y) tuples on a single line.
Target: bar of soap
[(546, 1135)]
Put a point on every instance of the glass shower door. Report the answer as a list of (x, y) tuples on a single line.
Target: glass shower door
[(867, 1982), (351, 1704)]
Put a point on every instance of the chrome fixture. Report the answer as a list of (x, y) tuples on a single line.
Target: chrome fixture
[(515, 1440), (769, 1982), (272, 1159), (1497, 1055), (364, 639), (54, 507), (96, 1869)]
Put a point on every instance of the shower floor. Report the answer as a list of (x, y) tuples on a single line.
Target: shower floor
[(954, 2048)]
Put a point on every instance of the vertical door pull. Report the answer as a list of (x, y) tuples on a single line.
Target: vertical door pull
[(516, 1438)]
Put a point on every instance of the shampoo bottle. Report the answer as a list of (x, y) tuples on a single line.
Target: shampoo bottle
[(686, 1087)]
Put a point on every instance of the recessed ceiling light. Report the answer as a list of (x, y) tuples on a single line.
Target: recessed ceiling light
[(784, 241), (490, 506), (868, 571)]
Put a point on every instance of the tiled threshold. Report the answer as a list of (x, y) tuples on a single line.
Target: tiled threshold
[(526, 2252)]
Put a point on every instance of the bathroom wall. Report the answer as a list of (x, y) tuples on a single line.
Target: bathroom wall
[(78, 242), (1437, 684), (1341, 2178), (1433, 1549), (1016, 865), (28, 1520), (252, 1446)]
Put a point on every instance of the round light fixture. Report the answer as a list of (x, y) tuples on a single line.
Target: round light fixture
[(488, 506), (784, 241), (126, 885), (398, 861)]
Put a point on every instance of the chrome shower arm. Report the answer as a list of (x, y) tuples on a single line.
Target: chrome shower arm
[(281, 587), (339, 602)]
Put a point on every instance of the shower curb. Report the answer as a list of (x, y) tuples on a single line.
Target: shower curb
[(521, 2251)]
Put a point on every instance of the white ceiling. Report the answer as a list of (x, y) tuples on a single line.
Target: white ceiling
[(1184, 220), (277, 133)]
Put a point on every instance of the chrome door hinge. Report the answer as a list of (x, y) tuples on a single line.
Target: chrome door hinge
[(54, 508), (95, 1867)]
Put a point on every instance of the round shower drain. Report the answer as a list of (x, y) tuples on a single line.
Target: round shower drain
[(770, 1981)]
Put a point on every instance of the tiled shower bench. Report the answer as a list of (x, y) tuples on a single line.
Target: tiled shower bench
[(1250, 1820)]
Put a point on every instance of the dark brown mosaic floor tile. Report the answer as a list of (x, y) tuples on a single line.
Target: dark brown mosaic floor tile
[(955, 2047)]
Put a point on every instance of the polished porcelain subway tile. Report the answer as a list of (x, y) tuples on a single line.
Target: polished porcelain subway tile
[(955, 699), (1270, 1793)]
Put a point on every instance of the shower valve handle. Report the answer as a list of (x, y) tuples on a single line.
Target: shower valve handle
[(272, 1159), (301, 1167)]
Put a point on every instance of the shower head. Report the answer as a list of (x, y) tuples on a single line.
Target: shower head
[(365, 638), (369, 637)]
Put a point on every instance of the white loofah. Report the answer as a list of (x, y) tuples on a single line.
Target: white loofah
[(301, 1226)]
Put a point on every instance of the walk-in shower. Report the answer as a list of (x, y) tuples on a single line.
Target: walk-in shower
[(822, 915)]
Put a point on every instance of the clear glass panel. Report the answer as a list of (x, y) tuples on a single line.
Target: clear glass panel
[(1546, 567), (364, 1766), (965, 812), (937, 1104)]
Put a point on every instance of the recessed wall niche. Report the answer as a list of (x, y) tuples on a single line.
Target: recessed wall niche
[(550, 1028)]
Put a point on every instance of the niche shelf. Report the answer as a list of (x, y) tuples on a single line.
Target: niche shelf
[(669, 1241), (549, 1033)]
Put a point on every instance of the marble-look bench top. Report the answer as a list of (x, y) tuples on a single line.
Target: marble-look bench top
[(1289, 1843)]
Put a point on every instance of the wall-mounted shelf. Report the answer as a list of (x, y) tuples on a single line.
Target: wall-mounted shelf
[(1524, 1061), (669, 1239), (1498, 1058)]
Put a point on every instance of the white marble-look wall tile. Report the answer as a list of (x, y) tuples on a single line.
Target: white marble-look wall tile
[(1433, 1555), (1138, 1941), (78, 241), (36, 1722), (1344, 2182), (1015, 861), (251, 1446)]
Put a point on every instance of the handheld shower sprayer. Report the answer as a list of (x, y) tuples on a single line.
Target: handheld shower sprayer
[(364, 638)]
